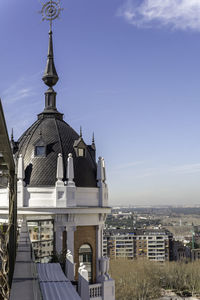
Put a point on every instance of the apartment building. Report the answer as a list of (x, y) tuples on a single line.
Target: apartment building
[(155, 244), (180, 251), (119, 244), (42, 237)]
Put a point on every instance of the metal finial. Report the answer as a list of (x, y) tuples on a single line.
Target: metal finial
[(50, 77), (81, 134), (93, 140), (51, 11)]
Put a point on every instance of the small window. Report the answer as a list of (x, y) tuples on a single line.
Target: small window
[(81, 152), (39, 151)]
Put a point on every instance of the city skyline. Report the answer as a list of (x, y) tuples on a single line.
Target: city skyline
[(130, 72)]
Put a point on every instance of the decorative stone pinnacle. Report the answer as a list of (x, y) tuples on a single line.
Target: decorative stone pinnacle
[(70, 170), (20, 171), (59, 174)]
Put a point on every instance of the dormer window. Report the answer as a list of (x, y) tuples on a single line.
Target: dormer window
[(80, 148), (40, 148), (40, 151), (81, 152)]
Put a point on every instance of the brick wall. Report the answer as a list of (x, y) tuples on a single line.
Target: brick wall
[(85, 235)]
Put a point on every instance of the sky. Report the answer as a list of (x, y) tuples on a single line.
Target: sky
[(129, 72)]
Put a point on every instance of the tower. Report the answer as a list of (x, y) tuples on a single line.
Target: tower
[(60, 179)]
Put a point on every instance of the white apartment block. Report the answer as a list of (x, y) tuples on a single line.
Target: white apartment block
[(119, 246), (152, 244)]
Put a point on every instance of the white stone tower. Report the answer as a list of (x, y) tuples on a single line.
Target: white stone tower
[(59, 178)]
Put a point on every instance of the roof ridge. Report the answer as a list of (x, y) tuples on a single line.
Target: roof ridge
[(61, 145)]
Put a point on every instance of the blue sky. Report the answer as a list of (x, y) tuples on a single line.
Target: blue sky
[(129, 71)]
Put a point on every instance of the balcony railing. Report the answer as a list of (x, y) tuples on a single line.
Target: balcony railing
[(95, 291)]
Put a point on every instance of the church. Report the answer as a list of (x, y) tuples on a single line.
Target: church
[(60, 179)]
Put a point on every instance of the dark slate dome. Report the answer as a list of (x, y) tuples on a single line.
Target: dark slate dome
[(56, 136), (49, 136)]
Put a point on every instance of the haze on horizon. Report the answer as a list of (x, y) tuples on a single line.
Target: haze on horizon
[(129, 71)]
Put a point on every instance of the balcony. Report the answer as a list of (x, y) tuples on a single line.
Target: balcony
[(95, 291)]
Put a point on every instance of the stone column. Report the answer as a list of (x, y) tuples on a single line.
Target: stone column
[(58, 238), (99, 247), (70, 238), (20, 183)]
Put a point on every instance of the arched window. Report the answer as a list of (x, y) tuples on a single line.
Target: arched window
[(85, 256)]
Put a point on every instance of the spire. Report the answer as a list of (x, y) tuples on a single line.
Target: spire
[(12, 136), (93, 140), (14, 145), (93, 147), (50, 77), (81, 133), (50, 11)]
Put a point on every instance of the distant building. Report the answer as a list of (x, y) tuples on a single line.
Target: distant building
[(42, 236), (195, 254), (155, 244), (180, 251), (119, 245), (141, 246)]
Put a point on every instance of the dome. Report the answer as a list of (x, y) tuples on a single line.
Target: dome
[(51, 135)]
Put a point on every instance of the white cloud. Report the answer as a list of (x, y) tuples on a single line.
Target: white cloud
[(176, 14), (15, 95), (24, 87), (186, 169)]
